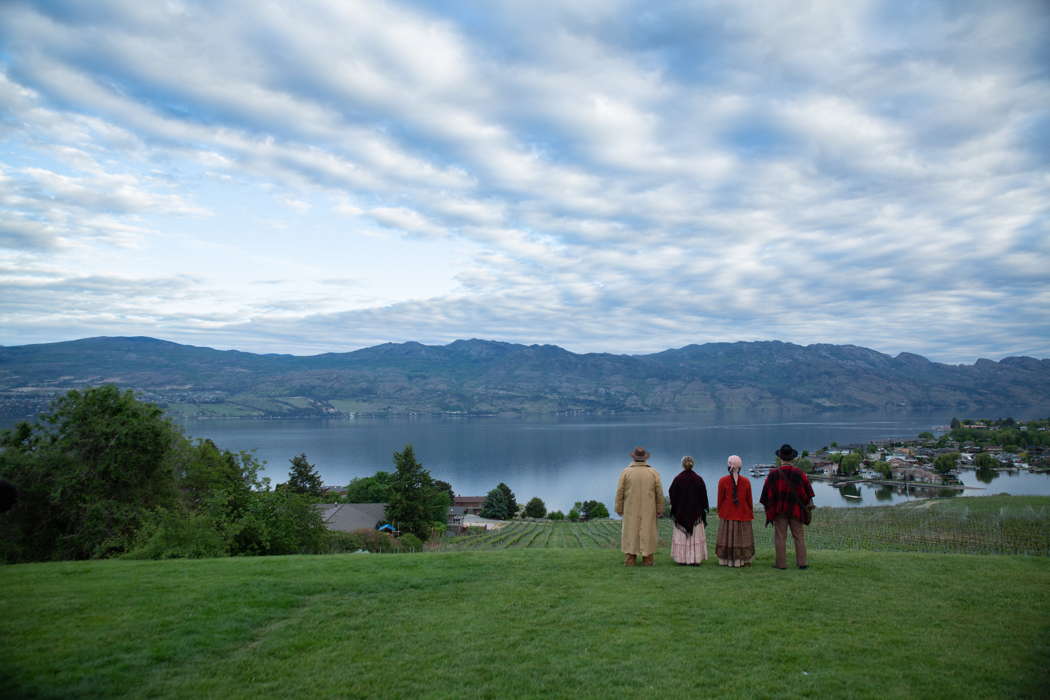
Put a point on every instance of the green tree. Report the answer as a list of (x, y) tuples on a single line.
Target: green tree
[(594, 509), (535, 508), (415, 503), (500, 503), (955, 424), (804, 464), (926, 435), (574, 514), (556, 515), (370, 489), (946, 462), (89, 471), (303, 478), (985, 460), (884, 468), (849, 464)]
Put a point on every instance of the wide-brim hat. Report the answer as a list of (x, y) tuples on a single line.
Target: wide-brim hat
[(640, 454), (786, 452)]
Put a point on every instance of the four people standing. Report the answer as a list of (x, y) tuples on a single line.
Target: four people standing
[(640, 501), (787, 497), (689, 509)]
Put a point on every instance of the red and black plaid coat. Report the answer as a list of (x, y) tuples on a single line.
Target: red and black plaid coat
[(786, 491)]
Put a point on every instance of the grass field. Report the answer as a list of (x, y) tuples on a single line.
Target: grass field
[(525, 620)]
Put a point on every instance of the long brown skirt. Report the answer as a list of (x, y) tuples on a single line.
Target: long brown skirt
[(736, 543)]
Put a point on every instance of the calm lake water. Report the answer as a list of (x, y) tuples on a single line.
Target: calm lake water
[(568, 459)]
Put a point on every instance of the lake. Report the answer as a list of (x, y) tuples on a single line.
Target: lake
[(563, 459)]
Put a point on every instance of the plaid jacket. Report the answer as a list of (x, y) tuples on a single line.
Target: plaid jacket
[(786, 491)]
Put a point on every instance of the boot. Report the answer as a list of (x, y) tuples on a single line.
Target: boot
[(629, 559), (647, 560)]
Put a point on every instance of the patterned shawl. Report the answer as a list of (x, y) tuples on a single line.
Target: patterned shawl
[(786, 492)]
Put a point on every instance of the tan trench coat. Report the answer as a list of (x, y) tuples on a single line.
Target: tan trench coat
[(639, 499)]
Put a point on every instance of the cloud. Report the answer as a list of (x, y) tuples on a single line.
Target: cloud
[(868, 173)]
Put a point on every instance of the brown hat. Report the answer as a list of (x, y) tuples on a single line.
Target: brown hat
[(640, 454)]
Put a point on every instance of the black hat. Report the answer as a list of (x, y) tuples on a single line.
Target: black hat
[(786, 453)]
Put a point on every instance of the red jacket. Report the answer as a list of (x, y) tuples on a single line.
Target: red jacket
[(743, 509)]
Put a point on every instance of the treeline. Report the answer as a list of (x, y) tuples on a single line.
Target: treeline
[(1011, 435), (102, 474)]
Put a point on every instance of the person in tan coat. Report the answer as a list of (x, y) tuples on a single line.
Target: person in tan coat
[(640, 501)]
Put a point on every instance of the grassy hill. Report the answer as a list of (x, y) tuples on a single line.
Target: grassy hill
[(560, 620)]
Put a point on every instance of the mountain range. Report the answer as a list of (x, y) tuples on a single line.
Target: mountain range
[(481, 377)]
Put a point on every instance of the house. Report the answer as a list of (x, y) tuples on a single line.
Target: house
[(468, 505), (347, 517), (825, 467), (908, 473)]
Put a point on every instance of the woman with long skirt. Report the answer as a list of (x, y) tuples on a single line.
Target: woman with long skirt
[(736, 541), (689, 507)]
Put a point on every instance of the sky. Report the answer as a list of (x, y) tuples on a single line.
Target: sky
[(626, 177)]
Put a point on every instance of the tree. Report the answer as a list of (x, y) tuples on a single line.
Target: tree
[(574, 514), (985, 460), (946, 462), (955, 424), (535, 508), (849, 464), (594, 509), (884, 468), (926, 435), (500, 503), (556, 515), (804, 464), (415, 504), (88, 473), (370, 489), (303, 478)]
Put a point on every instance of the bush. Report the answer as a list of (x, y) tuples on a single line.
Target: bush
[(368, 540), (278, 522), (171, 535), (411, 542)]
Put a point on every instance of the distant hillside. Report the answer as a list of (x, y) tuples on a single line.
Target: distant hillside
[(486, 377)]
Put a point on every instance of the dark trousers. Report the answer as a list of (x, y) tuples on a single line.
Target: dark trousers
[(798, 533)]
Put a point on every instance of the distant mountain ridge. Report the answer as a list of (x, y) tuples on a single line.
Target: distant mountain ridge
[(490, 377)]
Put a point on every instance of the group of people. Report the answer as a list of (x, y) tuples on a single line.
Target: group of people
[(787, 497)]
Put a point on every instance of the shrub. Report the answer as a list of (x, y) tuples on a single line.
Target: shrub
[(411, 542), (368, 540), (173, 535), (278, 522)]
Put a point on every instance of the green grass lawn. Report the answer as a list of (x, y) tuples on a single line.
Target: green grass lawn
[(527, 621)]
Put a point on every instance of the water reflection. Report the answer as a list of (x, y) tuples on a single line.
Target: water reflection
[(986, 475), (884, 493), (851, 492)]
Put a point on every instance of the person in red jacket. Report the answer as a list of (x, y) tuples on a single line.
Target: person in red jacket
[(785, 495), (736, 540)]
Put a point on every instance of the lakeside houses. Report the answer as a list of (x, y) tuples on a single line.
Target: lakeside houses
[(924, 476)]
